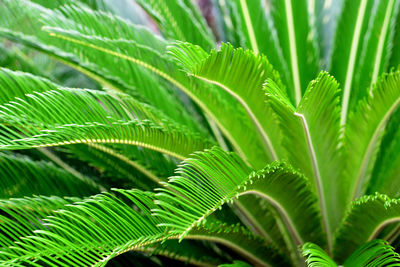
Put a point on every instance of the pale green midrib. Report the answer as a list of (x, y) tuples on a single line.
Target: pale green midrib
[(382, 39), (253, 223), (318, 180), (368, 152), (267, 140), (249, 26), (293, 50), (294, 235), (125, 159), (382, 225), (166, 77), (351, 61), (113, 141)]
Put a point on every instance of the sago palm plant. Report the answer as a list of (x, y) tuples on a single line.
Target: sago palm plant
[(259, 132)]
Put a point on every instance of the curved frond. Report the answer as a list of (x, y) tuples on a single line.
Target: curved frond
[(368, 216), (95, 55), (352, 26), (21, 176), (316, 257), (84, 227), (374, 253), (143, 168), (127, 78), (180, 20), (376, 48), (21, 216), (298, 42), (80, 233), (259, 34), (227, 68), (71, 116), (385, 175), (210, 179), (313, 128), (367, 123)]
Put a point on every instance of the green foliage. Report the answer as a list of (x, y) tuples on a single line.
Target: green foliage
[(206, 138)]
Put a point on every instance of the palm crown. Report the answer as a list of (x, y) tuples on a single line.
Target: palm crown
[(88, 174)]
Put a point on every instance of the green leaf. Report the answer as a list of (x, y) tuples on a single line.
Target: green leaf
[(313, 128), (259, 34), (374, 253), (352, 26), (125, 166), (395, 55), (316, 257), (368, 123), (367, 217), (210, 179), (298, 44), (384, 178), (226, 69), (180, 20), (84, 228), (21, 216), (21, 176), (376, 47), (128, 78), (54, 118)]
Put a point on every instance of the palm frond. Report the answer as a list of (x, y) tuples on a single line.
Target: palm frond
[(368, 123), (134, 55), (366, 219), (298, 42), (84, 227), (374, 58), (180, 20), (226, 69), (21, 176), (384, 177), (21, 216), (314, 129), (260, 35), (374, 253), (128, 78), (210, 179), (316, 256), (28, 121), (352, 26)]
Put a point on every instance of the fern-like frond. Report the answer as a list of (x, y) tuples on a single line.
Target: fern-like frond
[(210, 179), (385, 175), (313, 128), (94, 55), (180, 20), (366, 219), (21, 216), (298, 42), (259, 34), (374, 253), (21, 176), (376, 49), (316, 257), (367, 123), (71, 116), (127, 78), (84, 228), (242, 74)]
